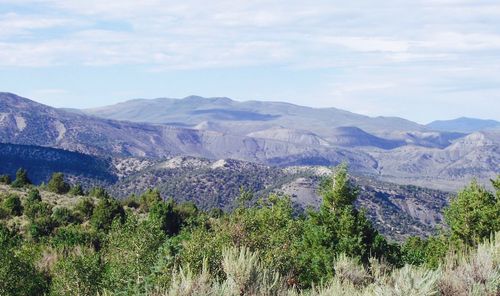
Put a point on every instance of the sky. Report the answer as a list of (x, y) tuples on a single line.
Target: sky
[(421, 60)]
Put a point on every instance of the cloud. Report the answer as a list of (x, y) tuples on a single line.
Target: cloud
[(414, 51)]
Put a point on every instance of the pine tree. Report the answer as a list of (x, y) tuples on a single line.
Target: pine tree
[(77, 190), (57, 184), (21, 178), (473, 214)]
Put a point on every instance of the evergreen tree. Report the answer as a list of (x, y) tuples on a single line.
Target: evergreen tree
[(338, 192), (149, 198), (21, 178), (99, 192), (5, 179), (13, 205), (106, 211), (57, 184), (33, 196), (77, 190), (473, 214)]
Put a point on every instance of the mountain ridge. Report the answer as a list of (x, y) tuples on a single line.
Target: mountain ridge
[(439, 159)]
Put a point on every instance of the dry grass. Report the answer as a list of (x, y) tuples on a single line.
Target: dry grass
[(474, 273)]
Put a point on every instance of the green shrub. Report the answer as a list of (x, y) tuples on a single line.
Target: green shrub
[(474, 214), (99, 192), (105, 212), (5, 179), (57, 184), (129, 252), (33, 196), (18, 277), (64, 216), (12, 204), (77, 190), (74, 235), (21, 179), (77, 274), (85, 207)]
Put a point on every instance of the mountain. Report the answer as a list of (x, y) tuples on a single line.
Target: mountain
[(476, 155), (268, 133), (23, 121), (396, 210), (463, 125), (41, 162), (235, 117)]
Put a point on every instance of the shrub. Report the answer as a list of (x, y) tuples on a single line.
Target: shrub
[(129, 252), (21, 179), (77, 190), (85, 207), (74, 235), (76, 274), (63, 216), (150, 198), (351, 271), (57, 184), (410, 280), (12, 204), (18, 277), (164, 214), (105, 212), (477, 273), (99, 192), (5, 179), (33, 196)]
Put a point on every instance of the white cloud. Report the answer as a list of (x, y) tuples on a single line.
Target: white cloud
[(401, 50)]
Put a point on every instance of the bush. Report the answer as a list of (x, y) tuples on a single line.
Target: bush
[(99, 192), (74, 235), (57, 184), (168, 219), (40, 218), (5, 179), (13, 205), (149, 198), (77, 274), (64, 216), (129, 252), (105, 212), (21, 179), (18, 277), (33, 196), (77, 190), (85, 207)]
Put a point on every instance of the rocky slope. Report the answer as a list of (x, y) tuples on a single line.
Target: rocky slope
[(269, 133), (396, 210)]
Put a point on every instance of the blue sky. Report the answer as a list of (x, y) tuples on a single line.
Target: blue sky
[(422, 60)]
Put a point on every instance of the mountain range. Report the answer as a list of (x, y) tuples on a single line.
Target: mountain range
[(271, 133)]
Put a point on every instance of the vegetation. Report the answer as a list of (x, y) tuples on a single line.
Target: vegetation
[(71, 244)]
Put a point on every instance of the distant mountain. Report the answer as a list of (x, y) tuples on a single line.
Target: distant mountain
[(236, 117), (464, 125), (23, 121), (269, 133)]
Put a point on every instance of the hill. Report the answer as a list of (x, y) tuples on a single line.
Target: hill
[(268, 133), (464, 125), (41, 162)]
